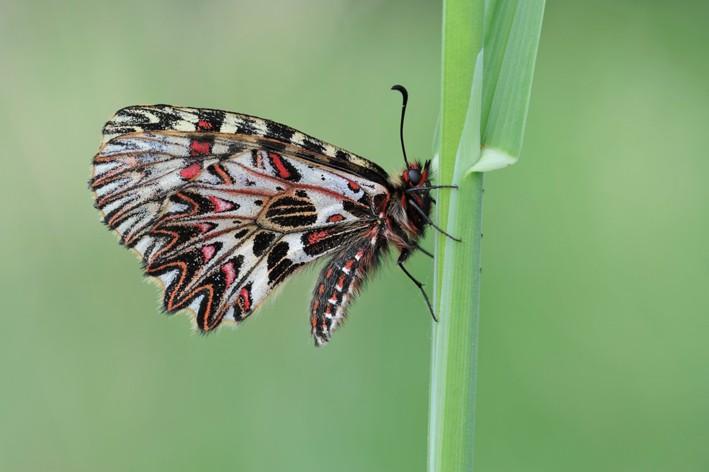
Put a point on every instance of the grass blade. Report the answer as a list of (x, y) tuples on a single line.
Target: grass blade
[(511, 40)]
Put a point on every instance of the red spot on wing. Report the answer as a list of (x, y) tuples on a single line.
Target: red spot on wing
[(208, 252), (335, 218), (244, 299), (281, 169), (317, 236), (200, 148), (229, 273), (220, 205), (348, 265), (191, 171), (204, 227), (354, 186), (204, 125), (321, 289)]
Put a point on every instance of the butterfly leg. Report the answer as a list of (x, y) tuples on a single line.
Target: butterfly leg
[(402, 258), (430, 222), (425, 251)]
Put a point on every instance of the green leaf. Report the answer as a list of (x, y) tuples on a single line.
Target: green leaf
[(511, 40)]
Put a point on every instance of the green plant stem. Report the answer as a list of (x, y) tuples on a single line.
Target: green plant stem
[(499, 107), (457, 274)]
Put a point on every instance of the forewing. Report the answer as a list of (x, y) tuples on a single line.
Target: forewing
[(217, 218), (259, 132)]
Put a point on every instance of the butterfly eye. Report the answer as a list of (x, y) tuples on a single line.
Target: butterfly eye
[(414, 176)]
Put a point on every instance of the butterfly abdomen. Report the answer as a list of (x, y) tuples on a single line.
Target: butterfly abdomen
[(340, 281)]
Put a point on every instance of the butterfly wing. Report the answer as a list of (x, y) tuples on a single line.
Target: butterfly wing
[(222, 207), (245, 129)]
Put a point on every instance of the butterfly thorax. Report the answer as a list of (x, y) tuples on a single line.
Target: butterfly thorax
[(409, 207)]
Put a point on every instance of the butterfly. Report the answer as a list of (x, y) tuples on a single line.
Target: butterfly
[(222, 207)]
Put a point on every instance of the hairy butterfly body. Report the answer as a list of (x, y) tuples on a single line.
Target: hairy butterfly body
[(222, 207)]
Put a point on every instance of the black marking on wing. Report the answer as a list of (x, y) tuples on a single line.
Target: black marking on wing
[(278, 131), (241, 233), (279, 266), (246, 125), (283, 270), (134, 118), (292, 212), (311, 145), (261, 242)]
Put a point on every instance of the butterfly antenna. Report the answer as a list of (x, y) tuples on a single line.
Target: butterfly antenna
[(405, 100)]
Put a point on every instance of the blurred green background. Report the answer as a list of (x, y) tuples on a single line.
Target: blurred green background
[(593, 349)]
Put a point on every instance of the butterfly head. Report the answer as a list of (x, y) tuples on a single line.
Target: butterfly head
[(415, 197), (416, 175)]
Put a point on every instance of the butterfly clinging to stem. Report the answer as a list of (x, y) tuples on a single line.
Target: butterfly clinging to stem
[(222, 207)]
